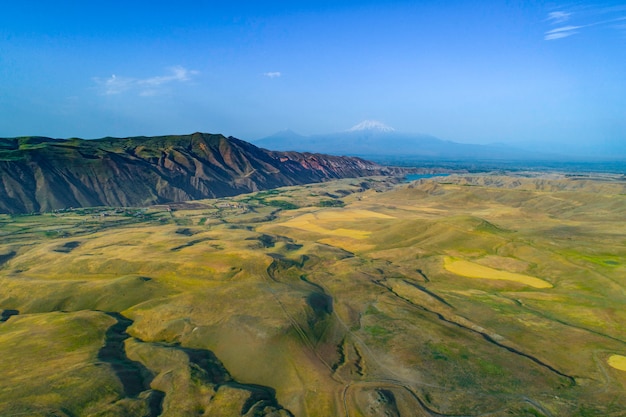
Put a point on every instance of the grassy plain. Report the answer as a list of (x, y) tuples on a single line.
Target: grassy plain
[(464, 295)]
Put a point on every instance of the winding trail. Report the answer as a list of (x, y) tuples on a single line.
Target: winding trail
[(396, 382), (425, 409)]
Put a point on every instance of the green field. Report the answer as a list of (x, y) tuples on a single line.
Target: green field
[(459, 296)]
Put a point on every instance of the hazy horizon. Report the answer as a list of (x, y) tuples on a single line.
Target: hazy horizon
[(524, 74)]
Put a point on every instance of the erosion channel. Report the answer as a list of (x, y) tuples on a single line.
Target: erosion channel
[(205, 369)]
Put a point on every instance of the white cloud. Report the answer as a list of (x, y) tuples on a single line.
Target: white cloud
[(115, 84), (143, 86), (558, 17), (564, 29), (274, 74), (558, 35), (178, 74), (562, 32), (587, 17)]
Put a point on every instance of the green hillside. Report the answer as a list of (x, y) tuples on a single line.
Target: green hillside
[(458, 296)]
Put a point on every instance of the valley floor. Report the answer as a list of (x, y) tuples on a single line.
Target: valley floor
[(464, 295)]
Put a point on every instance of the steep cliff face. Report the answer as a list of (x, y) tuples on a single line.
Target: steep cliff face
[(40, 174)]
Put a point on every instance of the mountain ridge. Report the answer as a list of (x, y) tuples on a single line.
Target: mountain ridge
[(374, 140), (40, 174)]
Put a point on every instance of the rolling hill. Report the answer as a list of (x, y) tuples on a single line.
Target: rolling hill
[(466, 295)]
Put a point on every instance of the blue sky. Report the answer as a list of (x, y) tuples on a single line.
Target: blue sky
[(504, 71)]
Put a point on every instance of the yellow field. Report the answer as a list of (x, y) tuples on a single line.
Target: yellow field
[(315, 222), (473, 270), (350, 215), (617, 362), (307, 222)]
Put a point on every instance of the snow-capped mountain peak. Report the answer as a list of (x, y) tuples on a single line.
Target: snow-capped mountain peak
[(372, 125)]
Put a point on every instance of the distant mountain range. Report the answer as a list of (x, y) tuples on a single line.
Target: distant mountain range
[(40, 174), (379, 142)]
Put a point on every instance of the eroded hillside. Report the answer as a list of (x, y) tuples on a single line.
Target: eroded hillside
[(42, 174)]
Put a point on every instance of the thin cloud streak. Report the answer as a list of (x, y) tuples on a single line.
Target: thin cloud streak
[(564, 29), (144, 87), (562, 32), (558, 17), (179, 74), (559, 35), (274, 74)]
